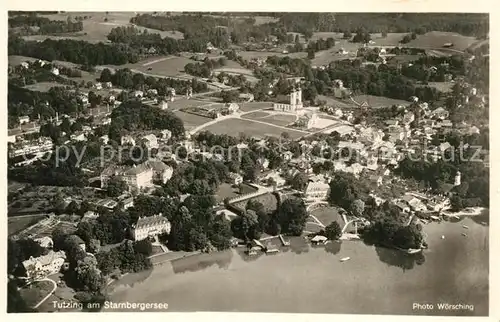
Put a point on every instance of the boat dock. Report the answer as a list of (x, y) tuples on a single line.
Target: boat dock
[(283, 241)]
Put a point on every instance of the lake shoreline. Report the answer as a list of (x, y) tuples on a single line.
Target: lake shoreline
[(186, 275)]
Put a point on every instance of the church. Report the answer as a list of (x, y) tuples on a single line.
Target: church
[(295, 102)]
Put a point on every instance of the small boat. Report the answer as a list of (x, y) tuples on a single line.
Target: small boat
[(466, 227), (345, 259), (435, 217), (442, 237), (414, 251), (464, 234)]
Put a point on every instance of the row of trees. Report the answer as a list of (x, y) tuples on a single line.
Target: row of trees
[(307, 23), (125, 78)]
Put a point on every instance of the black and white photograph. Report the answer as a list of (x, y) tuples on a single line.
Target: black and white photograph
[(248, 161)]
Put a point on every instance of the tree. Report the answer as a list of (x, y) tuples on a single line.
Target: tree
[(333, 231), (88, 275), (292, 216), (144, 247), (357, 208), (299, 181), (94, 246), (384, 34), (106, 75), (116, 186), (347, 35), (310, 53)]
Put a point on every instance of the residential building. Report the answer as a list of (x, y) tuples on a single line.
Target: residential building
[(166, 135), (25, 64), (152, 226), (139, 94), (317, 190), (127, 140), (55, 71), (161, 172), (98, 86), (45, 242), (402, 206), (150, 141), (235, 178), (108, 85), (40, 267), (23, 119), (440, 113), (89, 216), (137, 177)]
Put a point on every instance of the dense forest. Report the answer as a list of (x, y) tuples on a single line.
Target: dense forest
[(79, 52), (45, 25)]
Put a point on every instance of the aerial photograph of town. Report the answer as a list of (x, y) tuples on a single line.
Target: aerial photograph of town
[(287, 162)]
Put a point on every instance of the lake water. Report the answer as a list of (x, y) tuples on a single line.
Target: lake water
[(308, 279)]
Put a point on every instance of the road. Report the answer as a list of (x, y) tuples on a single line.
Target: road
[(48, 295)]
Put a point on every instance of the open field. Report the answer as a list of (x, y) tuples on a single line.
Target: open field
[(276, 119), (235, 126), (441, 86), (263, 54), (15, 60), (379, 101), (16, 224), (335, 102), (162, 65), (327, 215), (97, 27), (35, 292), (252, 106), (191, 120), (43, 86), (436, 39)]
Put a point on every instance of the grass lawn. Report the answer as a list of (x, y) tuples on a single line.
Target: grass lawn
[(162, 65), (252, 106), (268, 200), (279, 119), (327, 215), (256, 115), (235, 126), (191, 120), (35, 292), (311, 227), (379, 101), (16, 224)]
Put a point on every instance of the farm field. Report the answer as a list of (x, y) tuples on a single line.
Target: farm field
[(191, 120), (250, 128), (379, 101), (97, 27)]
